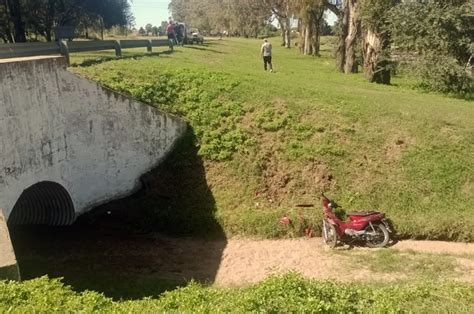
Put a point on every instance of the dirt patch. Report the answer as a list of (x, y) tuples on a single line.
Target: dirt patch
[(276, 180), (396, 146), (468, 188), (280, 105), (101, 251), (247, 261), (466, 267), (243, 261), (281, 179), (437, 247)]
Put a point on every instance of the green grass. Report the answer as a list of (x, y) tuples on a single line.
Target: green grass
[(289, 294), (269, 141), (410, 265)]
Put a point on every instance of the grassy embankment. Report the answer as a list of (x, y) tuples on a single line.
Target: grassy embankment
[(269, 141), (287, 294)]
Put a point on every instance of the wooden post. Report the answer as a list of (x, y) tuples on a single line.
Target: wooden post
[(65, 51), (118, 48), (149, 47)]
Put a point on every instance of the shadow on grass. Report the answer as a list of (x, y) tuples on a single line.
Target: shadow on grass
[(138, 246), (204, 48)]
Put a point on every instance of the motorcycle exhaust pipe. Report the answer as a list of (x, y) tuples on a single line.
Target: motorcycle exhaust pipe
[(354, 233)]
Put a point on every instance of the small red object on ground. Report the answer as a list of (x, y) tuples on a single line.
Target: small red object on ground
[(285, 220)]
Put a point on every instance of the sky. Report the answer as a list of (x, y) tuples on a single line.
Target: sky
[(156, 11), (150, 11)]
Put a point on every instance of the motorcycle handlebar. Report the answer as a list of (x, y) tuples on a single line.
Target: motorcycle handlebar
[(331, 202), (325, 197)]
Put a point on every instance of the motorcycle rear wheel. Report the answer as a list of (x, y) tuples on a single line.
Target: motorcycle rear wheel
[(329, 234), (381, 237)]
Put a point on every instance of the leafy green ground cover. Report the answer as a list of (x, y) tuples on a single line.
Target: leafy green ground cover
[(269, 141), (288, 293)]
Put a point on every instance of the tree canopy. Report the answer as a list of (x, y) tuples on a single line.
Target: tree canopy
[(19, 18)]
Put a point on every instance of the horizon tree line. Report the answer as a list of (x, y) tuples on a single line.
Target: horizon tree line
[(23, 19)]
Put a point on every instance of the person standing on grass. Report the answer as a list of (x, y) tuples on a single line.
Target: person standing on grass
[(171, 34), (266, 53)]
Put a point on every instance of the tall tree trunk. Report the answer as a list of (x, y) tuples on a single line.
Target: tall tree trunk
[(7, 37), (8, 33), (288, 32), (317, 24), (317, 40), (308, 48), (101, 28), (353, 34), (375, 64), (49, 35), (341, 46), (283, 31), (14, 8), (49, 22), (302, 32)]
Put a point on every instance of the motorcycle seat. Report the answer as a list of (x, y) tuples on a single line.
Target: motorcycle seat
[(363, 214)]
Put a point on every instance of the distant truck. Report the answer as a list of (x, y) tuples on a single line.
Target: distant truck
[(195, 37), (185, 36)]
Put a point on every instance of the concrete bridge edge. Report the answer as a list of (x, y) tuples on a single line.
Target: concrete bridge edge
[(9, 269)]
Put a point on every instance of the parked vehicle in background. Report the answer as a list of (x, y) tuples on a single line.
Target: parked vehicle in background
[(180, 33), (195, 37)]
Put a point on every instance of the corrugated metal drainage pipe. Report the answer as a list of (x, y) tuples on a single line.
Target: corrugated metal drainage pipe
[(44, 203)]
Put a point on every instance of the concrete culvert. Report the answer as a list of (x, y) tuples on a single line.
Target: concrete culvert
[(44, 203)]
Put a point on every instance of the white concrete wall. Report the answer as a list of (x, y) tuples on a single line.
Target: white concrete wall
[(8, 264), (56, 126)]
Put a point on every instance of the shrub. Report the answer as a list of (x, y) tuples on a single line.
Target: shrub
[(290, 293), (438, 34), (444, 74)]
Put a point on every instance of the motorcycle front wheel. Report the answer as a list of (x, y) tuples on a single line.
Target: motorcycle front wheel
[(329, 234), (378, 236)]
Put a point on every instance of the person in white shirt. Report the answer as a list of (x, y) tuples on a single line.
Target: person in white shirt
[(266, 53)]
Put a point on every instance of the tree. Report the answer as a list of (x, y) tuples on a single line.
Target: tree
[(376, 40), (440, 53), (5, 27), (311, 17), (142, 31), (240, 17), (148, 28), (180, 9), (155, 31), (14, 10), (42, 17), (349, 32), (281, 9), (164, 26), (327, 29)]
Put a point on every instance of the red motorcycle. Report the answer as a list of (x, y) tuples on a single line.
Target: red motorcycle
[(369, 227)]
